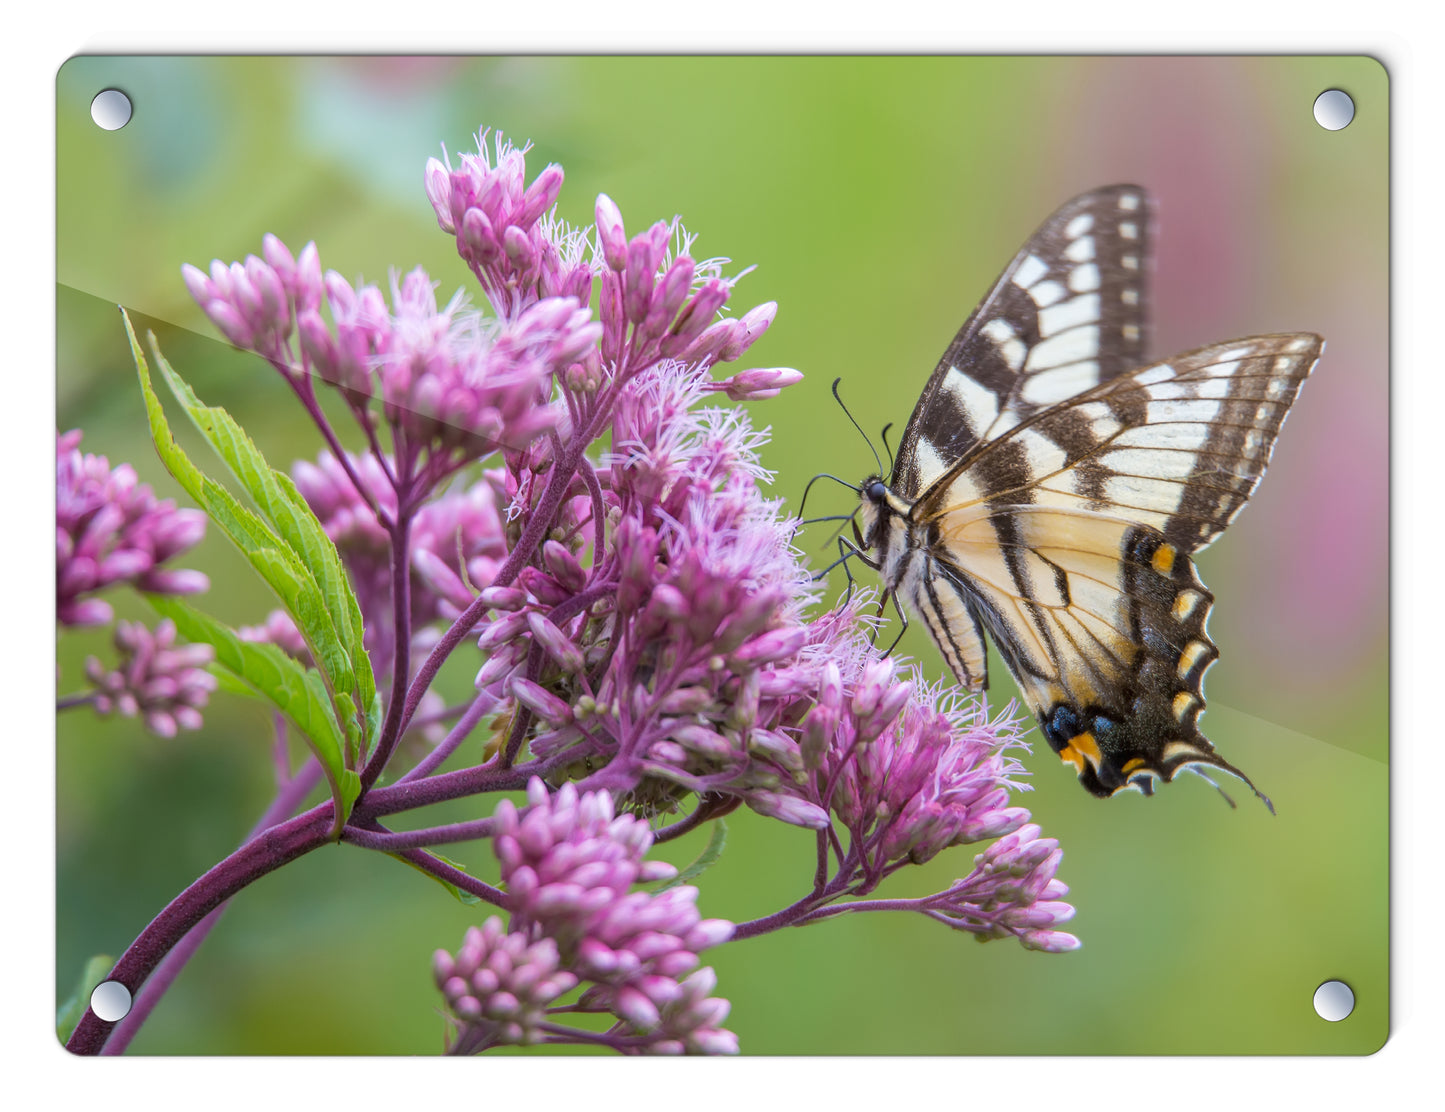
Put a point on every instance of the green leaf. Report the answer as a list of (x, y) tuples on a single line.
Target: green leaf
[(96, 970), (705, 860), (276, 496), (460, 893), (298, 692), (284, 571)]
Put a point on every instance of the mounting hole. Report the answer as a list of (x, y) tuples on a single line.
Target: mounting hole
[(1334, 109), (110, 109), (1334, 1000), (110, 1001)]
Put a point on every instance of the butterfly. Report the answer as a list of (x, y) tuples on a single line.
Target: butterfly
[(1052, 487)]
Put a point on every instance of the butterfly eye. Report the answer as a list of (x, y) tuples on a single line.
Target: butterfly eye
[(876, 491)]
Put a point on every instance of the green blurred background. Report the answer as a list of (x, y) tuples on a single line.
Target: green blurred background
[(878, 198)]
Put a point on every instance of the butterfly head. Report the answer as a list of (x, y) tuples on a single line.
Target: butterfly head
[(884, 532)]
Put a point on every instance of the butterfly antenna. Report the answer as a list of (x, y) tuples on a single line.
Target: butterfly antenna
[(856, 425), (824, 475), (886, 448)]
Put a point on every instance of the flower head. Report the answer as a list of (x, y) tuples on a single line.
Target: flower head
[(109, 529), (496, 217), (568, 865), (935, 774), (163, 683)]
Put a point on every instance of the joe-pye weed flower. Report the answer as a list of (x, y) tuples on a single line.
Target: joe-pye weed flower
[(561, 491)]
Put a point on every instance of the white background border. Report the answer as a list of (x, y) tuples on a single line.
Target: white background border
[(40, 37)]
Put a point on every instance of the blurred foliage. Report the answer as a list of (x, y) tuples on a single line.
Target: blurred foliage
[(879, 198)]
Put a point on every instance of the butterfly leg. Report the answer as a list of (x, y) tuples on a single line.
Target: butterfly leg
[(902, 618)]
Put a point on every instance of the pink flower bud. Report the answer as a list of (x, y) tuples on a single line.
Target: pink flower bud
[(518, 246), (439, 193), (787, 808), (201, 287), (307, 283), (764, 382), (540, 196), (696, 315), (611, 233), (751, 325), (539, 700), (556, 643), (563, 565), (479, 238)]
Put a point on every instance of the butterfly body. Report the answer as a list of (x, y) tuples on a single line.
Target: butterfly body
[(1051, 487)]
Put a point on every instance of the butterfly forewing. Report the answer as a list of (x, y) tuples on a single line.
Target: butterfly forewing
[(1068, 313), (1179, 445)]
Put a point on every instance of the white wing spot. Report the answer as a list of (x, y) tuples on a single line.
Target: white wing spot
[(1161, 373), (1101, 419), (1150, 463), (1129, 297), (1235, 353), (1189, 412), (1285, 363), (1046, 293), (1213, 388), (1222, 370), (1045, 456), (1184, 605), (998, 330), (1146, 494), (1030, 271), (1079, 225), (979, 402), (1061, 383), (1176, 435), (1128, 202), (1300, 344), (1176, 749), (1129, 230), (1083, 309), (1252, 442), (1276, 388), (1081, 250), (1131, 332), (1084, 278), (1073, 346), (928, 461), (1263, 412), (1190, 657), (1130, 262)]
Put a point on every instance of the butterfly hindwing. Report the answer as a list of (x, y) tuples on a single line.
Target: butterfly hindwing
[(1102, 623), (1067, 313)]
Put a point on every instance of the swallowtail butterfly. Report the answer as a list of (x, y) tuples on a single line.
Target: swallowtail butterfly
[(1052, 486)]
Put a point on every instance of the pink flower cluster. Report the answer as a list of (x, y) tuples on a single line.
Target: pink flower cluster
[(109, 529), (568, 865), (163, 683)]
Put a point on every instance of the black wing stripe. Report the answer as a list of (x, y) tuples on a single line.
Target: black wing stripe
[(1066, 314)]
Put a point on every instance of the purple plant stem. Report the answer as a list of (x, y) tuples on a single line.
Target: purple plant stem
[(452, 875), (262, 854), (538, 523), (463, 782), (791, 915), (481, 705), (301, 385), (391, 729), (288, 798), (394, 841), (70, 702)]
